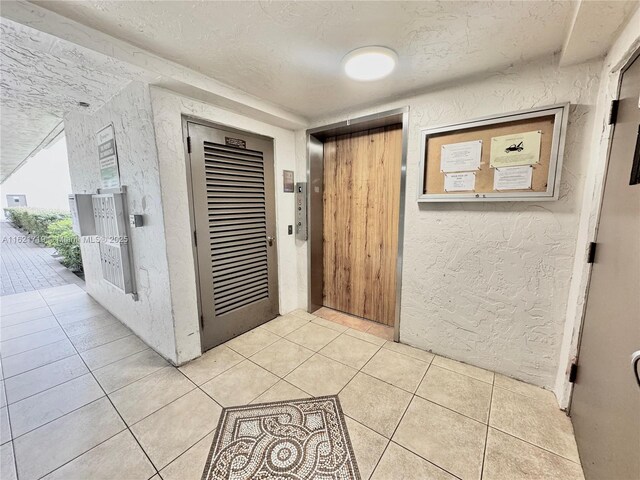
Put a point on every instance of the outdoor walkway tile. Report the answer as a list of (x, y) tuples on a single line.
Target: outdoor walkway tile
[(45, 449), (312, 336), (113, 351), (99, 336), (123, 372), (409, 351), (48, 405), (173, 429), (23, 362), (17, 318), (29, 342), (7, 462), (120, 457), (350, 351), (281, 357), (26, 328), (253, 341), (145, 396), (5, 429), (463, 368), (42, 378), (89, 325), (367, 446)]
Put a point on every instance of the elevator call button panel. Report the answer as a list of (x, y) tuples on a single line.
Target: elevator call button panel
[(301, 211)]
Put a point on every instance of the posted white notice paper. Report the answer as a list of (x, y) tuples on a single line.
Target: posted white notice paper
[(512, 178), (459, 182), (516, 149), (460, 157)]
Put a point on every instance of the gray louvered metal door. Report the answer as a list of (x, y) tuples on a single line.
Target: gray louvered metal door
[(234, 211)]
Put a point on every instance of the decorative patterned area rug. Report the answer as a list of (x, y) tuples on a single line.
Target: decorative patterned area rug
[(293, 440)]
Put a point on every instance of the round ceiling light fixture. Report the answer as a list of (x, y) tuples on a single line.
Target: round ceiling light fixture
[(369, 63)]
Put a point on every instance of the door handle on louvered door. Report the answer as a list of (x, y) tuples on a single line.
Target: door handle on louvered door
[(270, 241), (635, 364)]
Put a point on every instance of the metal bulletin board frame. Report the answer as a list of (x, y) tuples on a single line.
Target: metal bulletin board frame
[(560, 113)]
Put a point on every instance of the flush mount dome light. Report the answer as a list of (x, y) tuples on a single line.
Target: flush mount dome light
[(369, 63)]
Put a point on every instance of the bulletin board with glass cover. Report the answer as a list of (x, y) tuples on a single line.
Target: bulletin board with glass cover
[(508, 157)]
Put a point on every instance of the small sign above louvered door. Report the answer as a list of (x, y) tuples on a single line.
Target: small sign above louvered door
[(234, 211)]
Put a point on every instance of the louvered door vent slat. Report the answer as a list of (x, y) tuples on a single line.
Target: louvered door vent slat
[(237, 226)]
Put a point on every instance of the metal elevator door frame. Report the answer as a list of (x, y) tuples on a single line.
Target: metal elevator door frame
[(216, 329), (315, 176)]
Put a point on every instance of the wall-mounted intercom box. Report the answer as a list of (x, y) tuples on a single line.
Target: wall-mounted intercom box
[(82, 218), (301, 211)]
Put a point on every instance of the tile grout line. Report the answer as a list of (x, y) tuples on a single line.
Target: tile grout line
[(486, 437), (113, 406)]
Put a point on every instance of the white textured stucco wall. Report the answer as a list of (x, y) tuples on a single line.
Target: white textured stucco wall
[(622, 50), (168, 109), (487, 283), (130, 112)]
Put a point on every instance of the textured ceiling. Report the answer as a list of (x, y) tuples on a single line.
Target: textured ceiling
[(41, 78), (289, 53)]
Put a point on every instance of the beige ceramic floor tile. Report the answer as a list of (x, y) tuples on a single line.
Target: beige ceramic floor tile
[(27, 328), (7, 462), (451, 441), (39, 379), (461, 393), (329, 324), (46, 406), (240, 384), (536, 422), (286, 324), (398, 463), (173, 429), (22, 306), (312, 336), (120, 457), (397, 369), (29, 342), (367, 337), (350, 351), (89, 325), (123, 372), (253, 341), (383, 331), (374, 403), (5, 429), (508, 457), (23, 362), (367, 446), (79, 313), (463, 368), (304, 314), (113, 351), (99, 336), (190, 464), (525, 389), (409, 351), (145, 396), (321, 376), (281, 391), (282, 357), (344, 319), (54, 444), (211, 364), (8, 319)]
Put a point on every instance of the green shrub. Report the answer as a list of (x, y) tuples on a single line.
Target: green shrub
[(35, 221), (60, 235)]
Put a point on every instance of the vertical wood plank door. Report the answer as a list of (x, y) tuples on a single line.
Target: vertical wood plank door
[(361, 209)]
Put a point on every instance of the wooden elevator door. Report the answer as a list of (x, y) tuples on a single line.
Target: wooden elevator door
[(361, 209)]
